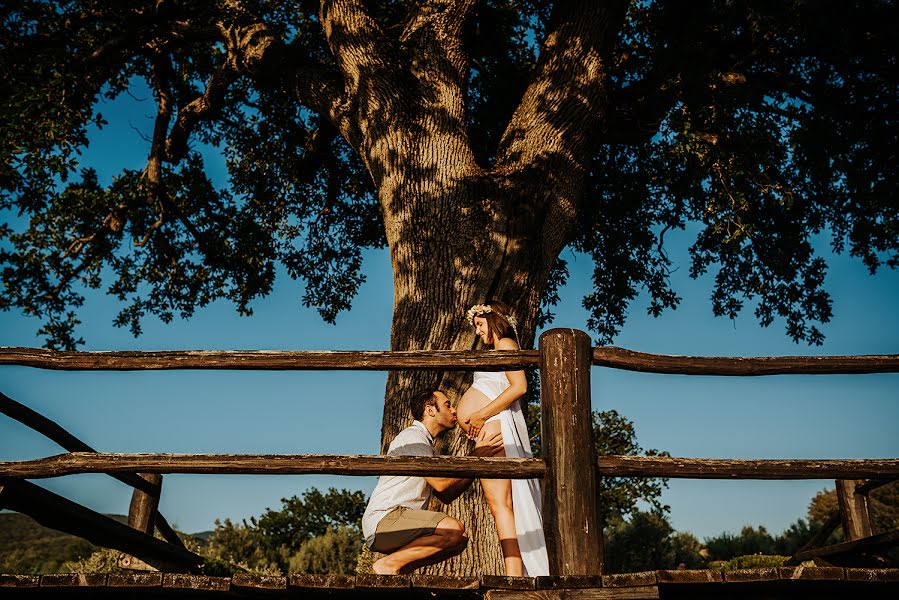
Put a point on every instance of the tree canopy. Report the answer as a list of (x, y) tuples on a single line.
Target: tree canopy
[(598, 126)]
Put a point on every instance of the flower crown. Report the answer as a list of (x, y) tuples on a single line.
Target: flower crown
[(481, 309), (477, 310)]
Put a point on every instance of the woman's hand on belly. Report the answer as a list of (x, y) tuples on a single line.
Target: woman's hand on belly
[(472, 401)]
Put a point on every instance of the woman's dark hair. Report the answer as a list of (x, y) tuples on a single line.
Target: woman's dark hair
[(498, 321), (420, 401)]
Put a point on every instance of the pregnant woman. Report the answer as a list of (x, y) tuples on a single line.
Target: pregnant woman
[(491, 404)]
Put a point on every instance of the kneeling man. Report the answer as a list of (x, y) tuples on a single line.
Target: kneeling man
[(396, 521)]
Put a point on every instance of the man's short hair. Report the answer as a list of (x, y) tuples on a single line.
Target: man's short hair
[(422, 400)]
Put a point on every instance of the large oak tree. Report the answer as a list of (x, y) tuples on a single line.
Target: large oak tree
[(475, 139)]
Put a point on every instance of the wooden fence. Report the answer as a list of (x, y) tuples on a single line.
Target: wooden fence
[(564, 357)]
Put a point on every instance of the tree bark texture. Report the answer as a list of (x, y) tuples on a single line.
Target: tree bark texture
[(460, 233)]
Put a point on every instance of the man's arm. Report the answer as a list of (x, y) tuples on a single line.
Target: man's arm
[(448, 489)]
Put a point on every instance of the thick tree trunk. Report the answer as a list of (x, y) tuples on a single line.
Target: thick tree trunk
[(458, 233), (462, 257)]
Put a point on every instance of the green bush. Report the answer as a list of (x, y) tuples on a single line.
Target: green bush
[(751, 561), (103, 560), (334, 552)]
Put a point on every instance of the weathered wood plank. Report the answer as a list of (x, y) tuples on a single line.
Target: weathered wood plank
[(620, 358), (444, 582), (55, 432), (503, 582), (812, 573), (371, 580), (274, 464), (874, 575), (690, 576), (642, 578), (605, 356), (19, 581), (449, 466), (634, 593), (143, 508), (724, 468), (566, 582), (203, 583), (69, 580), (271, 360), (134, 580), (874, 542), (742, 575), (259, 583), (317, 581), (570, 512), (853, 509), (56, 512)]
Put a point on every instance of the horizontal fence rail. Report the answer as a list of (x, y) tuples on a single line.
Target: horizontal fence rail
[(465, 360), (275, 464), (628, 360), (724, 468), (444, 466), (271, 360)]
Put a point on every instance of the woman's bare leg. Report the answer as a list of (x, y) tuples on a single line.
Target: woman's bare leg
[(498, 493)]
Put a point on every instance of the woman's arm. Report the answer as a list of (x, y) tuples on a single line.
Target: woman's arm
[(518, 386)]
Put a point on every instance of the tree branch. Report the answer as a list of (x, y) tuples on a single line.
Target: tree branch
[(554, 131), (197, 110), (363, 54), (566, 103), (434, 35)]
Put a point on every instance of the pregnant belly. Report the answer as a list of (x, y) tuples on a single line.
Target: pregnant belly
[(472, 400)]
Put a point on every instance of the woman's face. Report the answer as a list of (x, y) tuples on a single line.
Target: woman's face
[(482, 329)]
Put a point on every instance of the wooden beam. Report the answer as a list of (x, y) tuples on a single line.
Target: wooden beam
[(873, 484), (142, 512), (465, 360), (56, 512), (570, 508), (853, 509), (819, 538), (271, 360), (275, 464), (56, 433), (874, 542), (724, 468), (620, 358), (442, 466)]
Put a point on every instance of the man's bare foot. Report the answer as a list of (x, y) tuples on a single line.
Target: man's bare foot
[(382, 567)]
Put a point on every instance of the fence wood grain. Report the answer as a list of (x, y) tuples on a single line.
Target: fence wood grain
[(724, 468), (271, 360), (853, 510), (620, 358), (275, 464), (443, 466), (605, 356), (570, 504)]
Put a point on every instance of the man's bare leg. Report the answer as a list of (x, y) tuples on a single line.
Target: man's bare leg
[(448, 540)]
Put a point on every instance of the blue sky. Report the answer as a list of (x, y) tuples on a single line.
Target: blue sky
[(340, 412)]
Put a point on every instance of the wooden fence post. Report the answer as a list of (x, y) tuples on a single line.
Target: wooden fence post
[(570, 515), (142, 516), (853, 510)]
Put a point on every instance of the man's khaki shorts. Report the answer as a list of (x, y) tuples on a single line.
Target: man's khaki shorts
[(402, 525)]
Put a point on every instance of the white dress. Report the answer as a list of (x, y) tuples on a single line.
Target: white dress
[(527, 502)]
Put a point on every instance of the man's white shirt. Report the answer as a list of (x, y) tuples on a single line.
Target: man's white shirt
[(400, 490)]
